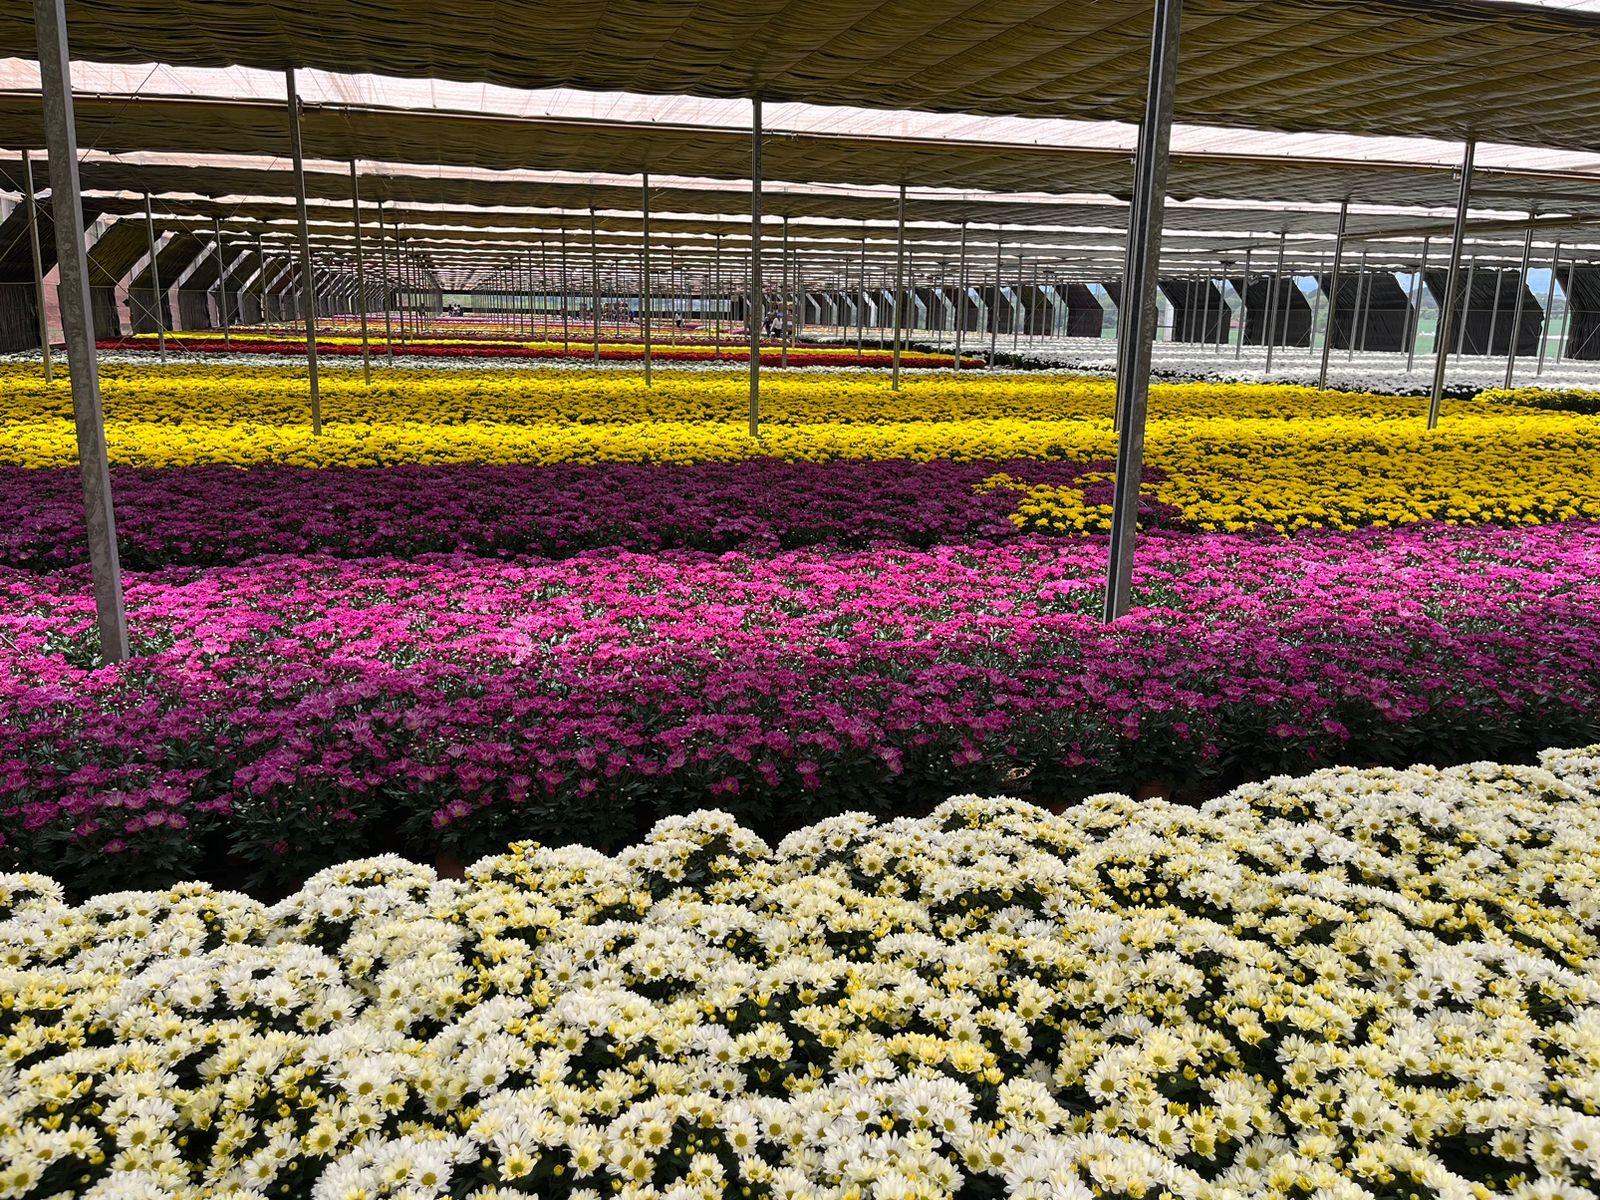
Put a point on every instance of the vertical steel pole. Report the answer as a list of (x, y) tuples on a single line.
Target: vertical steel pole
[(38, 267), (155, 281), (1224, 314), (308, 283), (1466, 306), (1361, 286), (717, 297), (410, 314), (784, 297), (1316, 307), (994, 315), (1139, 298), (594, 279), (961, 294), (754, 315), (645, 300), (383, 272), (1279, 292), (1415, 317), (1333, 291), (1522, 291), (1566, 309), (1244, 314), (1364, 317), (1458, 233), (222, 285), (799, 298), (1545, 321), (566, 317), (361, 275), (1019, 309), (861, 303), (261, 257), (61, 142), (899, 284), (1494, 312)]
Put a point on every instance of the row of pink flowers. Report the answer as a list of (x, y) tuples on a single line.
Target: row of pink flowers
[(292, 710), (770, 356)]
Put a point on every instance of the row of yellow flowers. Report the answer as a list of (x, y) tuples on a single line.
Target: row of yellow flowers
[(277, 395), (1217, 473)]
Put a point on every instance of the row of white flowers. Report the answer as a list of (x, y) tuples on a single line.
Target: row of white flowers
[(1358, 983), (1386, 372)]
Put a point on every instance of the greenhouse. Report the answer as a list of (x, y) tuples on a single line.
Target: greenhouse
[(814, 601)]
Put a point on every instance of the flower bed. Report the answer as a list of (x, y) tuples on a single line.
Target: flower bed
[(1354, 984), (1215, 474), (177, 394), (1560, 399), (216, 515), (668, 352), (289, 711), (1222, 458)]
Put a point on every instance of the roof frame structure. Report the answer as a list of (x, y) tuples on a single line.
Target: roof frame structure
[(1393, 67)]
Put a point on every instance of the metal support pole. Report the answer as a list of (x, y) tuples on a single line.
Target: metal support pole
[(899, 285), (1364, 313), (1458, 233), (644, 282), (566, 318), (38, 267), (1545, 322), (383, 271), (361, 275), (994, 315), (1244, 312), (1494, 312), (1414, 319), (861, 302), (1466, 306), (1019, 309), (222, 285), (401, 286), (1279, 291), (784, 298), (754, 315), (309, 286), (1566, 310), (155, 281), (1522, 291), (61, 141), (1361, 288), (594, 279), (1139, 300), (261, 280), (1333, 291), (961, 294), (717, 297)]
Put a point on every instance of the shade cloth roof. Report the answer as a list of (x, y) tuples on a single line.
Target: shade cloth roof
[(1413, 67), (1099, 256), (219, 126), (695, 239), (463, 190)]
